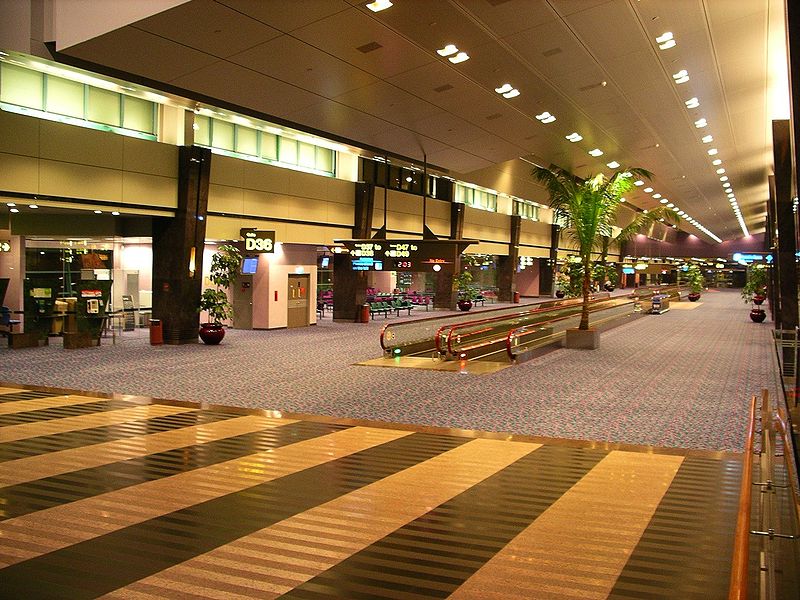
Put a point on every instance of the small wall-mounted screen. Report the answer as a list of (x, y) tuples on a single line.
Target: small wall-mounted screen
[(249, 265), (325, 262)]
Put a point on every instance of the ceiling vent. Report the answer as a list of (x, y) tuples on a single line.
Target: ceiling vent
[(443, 88), (552, 52), (494, 116), (369, 47), (591, 86), (497, 2)]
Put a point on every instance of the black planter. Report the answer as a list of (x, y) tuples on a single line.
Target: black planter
[(560, 294), (464, 305), (212, 333), (758, 315), (693, 296), (608, 288)]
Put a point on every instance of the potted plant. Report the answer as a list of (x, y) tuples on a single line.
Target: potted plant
[(587, 210), (755, 290), (562, 283), (694, 279), (606, 276), (462, 283), (225, 265)]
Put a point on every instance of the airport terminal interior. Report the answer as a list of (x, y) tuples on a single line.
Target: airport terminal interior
[(481, 299)]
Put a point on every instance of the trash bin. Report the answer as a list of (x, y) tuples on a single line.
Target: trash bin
[(156, 332), (516, 297), (364, 314)]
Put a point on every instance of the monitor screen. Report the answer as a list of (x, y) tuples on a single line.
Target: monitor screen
[(249, 265), (325, 262)]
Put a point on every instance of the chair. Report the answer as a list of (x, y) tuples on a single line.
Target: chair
[(7, 321)]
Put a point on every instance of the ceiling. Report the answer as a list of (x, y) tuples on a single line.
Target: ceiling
[(376, 79)]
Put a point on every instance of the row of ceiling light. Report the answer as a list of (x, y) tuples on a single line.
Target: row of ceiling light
[(13, 208), (666, 41)]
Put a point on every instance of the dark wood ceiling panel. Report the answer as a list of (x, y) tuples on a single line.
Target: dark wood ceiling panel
[(293, 61), (208, 26)]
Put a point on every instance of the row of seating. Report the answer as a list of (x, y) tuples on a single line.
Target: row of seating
[(384, 308)]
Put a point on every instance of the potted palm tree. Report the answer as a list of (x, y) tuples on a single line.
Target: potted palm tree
[(462, 282), (694, 279), (587, 209), (755, 291), (225, 264)]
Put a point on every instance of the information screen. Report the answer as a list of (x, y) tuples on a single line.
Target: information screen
[(402, 255)]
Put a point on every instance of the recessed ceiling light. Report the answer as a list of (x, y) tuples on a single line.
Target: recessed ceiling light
[(447, 50), (459, 58), (663, 201), (681, 76), (712, 151), (115, 213), (665, 40), (656, 196), (707, 139), (14, 210), (681, 213), (506, 87), (596, 152), (638, 182), (716, 162), (700, 123), (647, 190), (724, 178), (670, 205), (11, 203), (513, 94), (612, 165), (574, 137), (98, 212), (692, 103), (546, 117), (720, 171), (33, 206), (379, 5), (623, 200), (726, 185), (675, 209)]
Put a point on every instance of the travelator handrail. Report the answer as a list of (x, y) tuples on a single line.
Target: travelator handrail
[(512, 344), (495, 331), (415, 331), (741, 547), (446, 333), (777, 423)]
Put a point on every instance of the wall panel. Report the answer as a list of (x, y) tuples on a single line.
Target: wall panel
[(79, 181)]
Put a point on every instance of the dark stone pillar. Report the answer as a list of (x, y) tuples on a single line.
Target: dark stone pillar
[(787, 316), (547, 267), (446, 297), (364, 210), (507, 265), (349, 289), (456, 221), (178, 240), (771, 246)]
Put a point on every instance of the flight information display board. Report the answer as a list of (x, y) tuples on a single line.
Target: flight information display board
[(405, 255)]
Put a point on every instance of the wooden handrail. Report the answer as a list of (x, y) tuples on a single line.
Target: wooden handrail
[(741, 545), (782, 423)]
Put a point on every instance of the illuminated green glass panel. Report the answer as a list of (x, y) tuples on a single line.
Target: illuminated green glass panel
[(287, 151), (325, 159), (21, 86), (202, 130), (246, 140), (269, 146), (306, 155), (64, 97), (103, 107), (222, 135), (138, 114)]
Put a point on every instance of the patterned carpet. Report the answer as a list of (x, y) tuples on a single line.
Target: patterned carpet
[(681, 379)]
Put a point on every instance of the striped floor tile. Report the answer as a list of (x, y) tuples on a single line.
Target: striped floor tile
[(112, 497)]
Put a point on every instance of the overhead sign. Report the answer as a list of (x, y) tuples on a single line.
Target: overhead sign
[(751, 257), (405, 255), (5, 246), (258, 241)]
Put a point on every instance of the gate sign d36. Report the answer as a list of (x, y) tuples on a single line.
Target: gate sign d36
[(258, 241)]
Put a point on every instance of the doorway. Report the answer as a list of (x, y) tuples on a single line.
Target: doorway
[(298, 301)]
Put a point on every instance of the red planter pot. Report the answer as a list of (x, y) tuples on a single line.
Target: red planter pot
[(560, 294), (464, 305), (759, 299), (758, 315), (693, 296), (212, 333)]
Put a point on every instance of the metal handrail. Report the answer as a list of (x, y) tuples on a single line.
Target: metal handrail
[(784, 429), (741, 546)]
